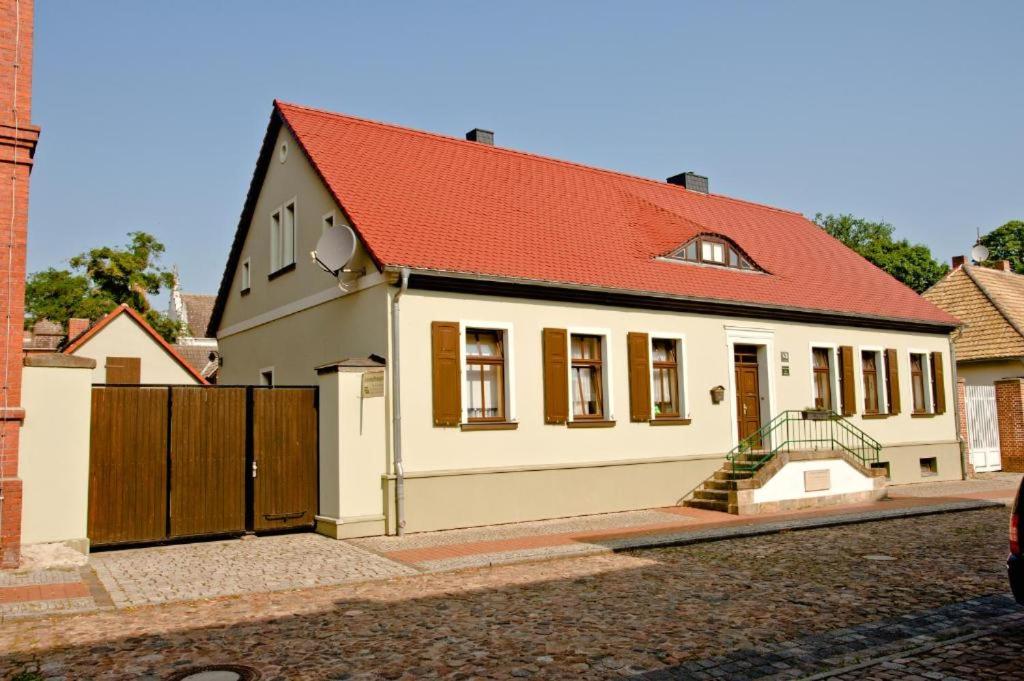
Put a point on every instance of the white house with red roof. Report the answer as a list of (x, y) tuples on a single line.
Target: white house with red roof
[(560, 339), (128, 351)]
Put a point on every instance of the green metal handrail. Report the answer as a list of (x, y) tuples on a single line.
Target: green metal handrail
[(794, 430)]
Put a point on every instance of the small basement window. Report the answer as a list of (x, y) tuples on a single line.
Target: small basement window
[(929, 466), (884, 465), (711, 249)]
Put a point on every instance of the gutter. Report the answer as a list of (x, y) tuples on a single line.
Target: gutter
[(396, 406), (956, 403), (537, 288)]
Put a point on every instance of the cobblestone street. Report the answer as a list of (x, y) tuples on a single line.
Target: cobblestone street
[(786, 605)]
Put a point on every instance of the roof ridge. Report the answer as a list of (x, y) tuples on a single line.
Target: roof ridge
[(516, 152), (968, 270)]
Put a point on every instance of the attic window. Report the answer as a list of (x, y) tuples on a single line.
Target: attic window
[(712, 250)]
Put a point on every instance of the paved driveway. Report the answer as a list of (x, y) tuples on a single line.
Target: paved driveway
[(787, 604), (222, 568)]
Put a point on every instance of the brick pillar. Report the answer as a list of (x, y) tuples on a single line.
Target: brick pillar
[(961, 404), (18, 139), (1010, 411)]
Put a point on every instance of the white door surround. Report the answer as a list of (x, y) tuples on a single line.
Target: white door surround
[(764, 340)]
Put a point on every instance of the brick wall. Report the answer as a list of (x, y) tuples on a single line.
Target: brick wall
[(1010, 411), (18, 139)]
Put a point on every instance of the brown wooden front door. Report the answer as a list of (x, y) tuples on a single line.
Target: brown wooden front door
[(748, 391)]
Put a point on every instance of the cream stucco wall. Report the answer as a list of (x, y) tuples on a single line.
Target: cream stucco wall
[(353, 426), (987, 373), (54, 461), (123, 337), (788, 483), (707, 364), (353, 325)]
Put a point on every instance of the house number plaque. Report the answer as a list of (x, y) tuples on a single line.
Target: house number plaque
[(817, 481), (373, 384)]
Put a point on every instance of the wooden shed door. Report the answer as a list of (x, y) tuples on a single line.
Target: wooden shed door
[(208, 472), (127, 465), (285, 466)]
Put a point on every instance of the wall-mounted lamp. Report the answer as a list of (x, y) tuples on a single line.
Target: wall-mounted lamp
[(717, 394)]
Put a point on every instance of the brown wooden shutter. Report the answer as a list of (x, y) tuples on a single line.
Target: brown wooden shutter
[(940, 383), (892, 371), (849, 393), (124, 370), (639, 348), (447, 371), (556, 376)]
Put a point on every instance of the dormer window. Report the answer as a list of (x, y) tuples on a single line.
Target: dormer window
[(712, 250)]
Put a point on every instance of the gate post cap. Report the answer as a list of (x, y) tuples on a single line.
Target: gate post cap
[(59, 361)]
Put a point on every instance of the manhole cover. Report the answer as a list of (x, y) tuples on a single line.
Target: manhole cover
[(216, 672), (878, 556)]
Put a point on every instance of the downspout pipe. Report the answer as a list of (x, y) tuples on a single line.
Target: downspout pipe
[(956, 402), (396, 405)]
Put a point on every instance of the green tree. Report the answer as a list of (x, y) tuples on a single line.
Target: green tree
[(101, 279), (1006, 243), (912, 264)]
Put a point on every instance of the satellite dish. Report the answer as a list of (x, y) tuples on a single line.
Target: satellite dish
[(335, 248), (979, 253)]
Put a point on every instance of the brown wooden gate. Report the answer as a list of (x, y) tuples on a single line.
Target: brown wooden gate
[(168, 462), (284, 454)]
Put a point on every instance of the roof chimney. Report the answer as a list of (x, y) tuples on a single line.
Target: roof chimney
[(1003, 266), (76, 327), (690, 180), (480, 135), (958, 261)]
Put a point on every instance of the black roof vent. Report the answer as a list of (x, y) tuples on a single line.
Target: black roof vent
[(480, 135), (691, 181)]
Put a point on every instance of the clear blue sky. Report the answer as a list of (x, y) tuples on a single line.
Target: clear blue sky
[(153, 112)]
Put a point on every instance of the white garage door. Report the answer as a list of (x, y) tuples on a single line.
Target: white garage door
[(983, 427)]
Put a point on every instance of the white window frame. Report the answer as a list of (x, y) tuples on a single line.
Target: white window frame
[(682, 366), (273, 378), (510, 367), (833, 371), (765, 340), (246, 276), (292, 203), (926, 376), (608, 405), (327, 221), (276, 223), (883, 378)]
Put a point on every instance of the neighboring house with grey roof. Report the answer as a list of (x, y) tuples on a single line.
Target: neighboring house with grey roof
[(989, 347), (193, 310)]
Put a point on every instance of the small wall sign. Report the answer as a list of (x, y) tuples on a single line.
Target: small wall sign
[(785, 370), (817, 481), (785, 356), (373, 384)]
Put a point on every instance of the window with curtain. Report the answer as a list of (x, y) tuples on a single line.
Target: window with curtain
[(485, 375), (917, 383), (869, 369), (822, 379), (665, 378), (587, 399)]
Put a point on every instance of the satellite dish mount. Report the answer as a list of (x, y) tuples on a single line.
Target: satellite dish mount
[(334, 252)]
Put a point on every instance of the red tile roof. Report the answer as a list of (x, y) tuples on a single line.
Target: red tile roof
[(433, 202)]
